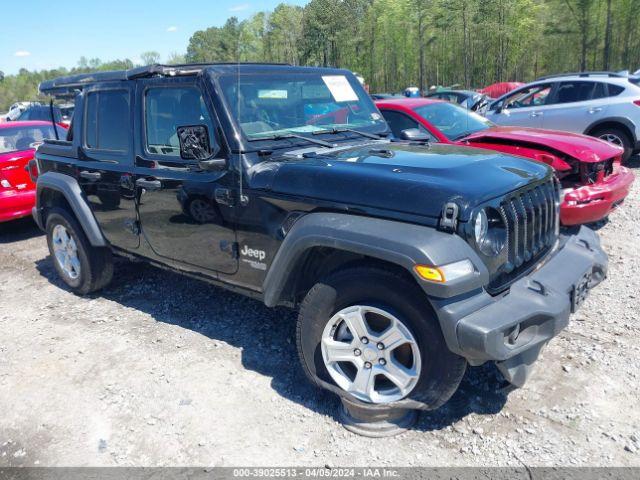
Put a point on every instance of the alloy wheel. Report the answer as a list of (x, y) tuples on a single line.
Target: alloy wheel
[(612, 138), (371, 354), (65, 250)]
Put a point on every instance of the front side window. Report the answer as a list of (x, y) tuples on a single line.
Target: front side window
[(453, 121), (166, 109), (399, 121), (108, 120), (270, 106), (529, 97)]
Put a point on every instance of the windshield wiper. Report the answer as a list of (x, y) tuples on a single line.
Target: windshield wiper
[(352, 130), (284, 136)]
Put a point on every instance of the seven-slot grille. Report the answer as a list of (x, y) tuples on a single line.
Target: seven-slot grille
[(531, 217)]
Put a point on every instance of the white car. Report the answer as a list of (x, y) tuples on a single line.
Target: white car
[(602, 104)]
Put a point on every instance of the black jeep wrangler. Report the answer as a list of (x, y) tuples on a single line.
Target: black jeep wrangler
[(407, 260)]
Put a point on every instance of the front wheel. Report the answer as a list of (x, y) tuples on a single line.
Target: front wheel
[(371, 336)]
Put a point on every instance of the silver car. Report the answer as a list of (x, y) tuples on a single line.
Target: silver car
[(601, 104)]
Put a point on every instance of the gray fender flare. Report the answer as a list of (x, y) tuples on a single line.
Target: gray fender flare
[(403, 244), (69, 188)]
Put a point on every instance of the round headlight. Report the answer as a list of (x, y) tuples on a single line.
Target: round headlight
[(489, 232), (481, 226)]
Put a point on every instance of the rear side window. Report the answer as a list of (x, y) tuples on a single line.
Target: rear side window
[(580, 91), (108, 120)]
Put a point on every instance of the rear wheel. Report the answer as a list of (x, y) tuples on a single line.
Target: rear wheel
[(83, 267), (616, 136), (370, 336)]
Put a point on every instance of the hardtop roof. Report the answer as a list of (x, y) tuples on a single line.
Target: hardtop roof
[(70, 85)]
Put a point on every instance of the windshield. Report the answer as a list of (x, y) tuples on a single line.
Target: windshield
[(15, 139), (267, 106), (453, 121)]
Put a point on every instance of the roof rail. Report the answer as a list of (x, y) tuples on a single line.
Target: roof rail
[(585, 74), (70, 85)]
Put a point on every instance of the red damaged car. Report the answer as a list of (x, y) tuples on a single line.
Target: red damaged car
[(18, 141), (594, 182)]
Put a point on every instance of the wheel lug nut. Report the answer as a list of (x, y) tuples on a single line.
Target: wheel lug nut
[(367, 365), (357, 352), (364, 340), (380, 346), (382, 361)]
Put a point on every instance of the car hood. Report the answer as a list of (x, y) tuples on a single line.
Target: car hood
[(580, 147), (414, 179)]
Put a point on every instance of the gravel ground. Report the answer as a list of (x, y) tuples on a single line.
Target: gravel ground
[(163, 370)]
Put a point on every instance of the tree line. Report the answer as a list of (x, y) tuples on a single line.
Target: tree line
[(397, 43)]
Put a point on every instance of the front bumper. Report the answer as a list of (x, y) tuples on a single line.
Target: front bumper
[(592, 203), (16, 204), (512, 328)]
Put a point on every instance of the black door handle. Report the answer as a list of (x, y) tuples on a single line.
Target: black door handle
[(149, 184), (93, 176)]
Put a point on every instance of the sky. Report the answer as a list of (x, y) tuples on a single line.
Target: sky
[(39, 34)]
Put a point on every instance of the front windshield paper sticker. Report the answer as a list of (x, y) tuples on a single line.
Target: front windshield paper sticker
[(340, 88)]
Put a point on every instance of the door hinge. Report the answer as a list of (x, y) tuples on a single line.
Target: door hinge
[(224, 196), (232, 248), (132, 226)]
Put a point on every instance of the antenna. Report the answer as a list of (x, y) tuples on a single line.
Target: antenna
[(53, 120)]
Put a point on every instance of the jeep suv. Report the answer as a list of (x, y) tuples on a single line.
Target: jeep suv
[(602, 104), (407, 261)]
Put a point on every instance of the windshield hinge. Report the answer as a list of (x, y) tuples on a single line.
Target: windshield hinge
[(449, 217)]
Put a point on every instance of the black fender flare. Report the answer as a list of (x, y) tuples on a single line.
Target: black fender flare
[(69, 188), (403, 244), (621, 120)]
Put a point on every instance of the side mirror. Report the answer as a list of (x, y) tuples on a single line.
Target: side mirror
[(195, 145), (414, 135)]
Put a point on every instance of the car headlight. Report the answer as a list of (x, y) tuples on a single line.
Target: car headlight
[(489, 232)]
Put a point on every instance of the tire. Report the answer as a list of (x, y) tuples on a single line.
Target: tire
[(618, 137), (91, 268), (377, 290)]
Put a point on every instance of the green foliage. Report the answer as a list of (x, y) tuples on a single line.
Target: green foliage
[(397, 43)]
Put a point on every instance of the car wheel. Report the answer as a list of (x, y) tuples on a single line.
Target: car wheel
[(371, 336), (83, 267), (617, 137)]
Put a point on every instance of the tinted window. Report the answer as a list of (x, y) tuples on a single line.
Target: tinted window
[(579, 92), (399, 121), (614, 90), (528, 97), (166, 109), (107, 123), (13, 139)]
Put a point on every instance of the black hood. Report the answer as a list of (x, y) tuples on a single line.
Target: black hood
[(413, 179)]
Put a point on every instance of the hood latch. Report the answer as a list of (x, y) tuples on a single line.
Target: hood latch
[(449, 217)]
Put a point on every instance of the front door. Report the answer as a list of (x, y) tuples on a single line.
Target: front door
[(525, 107), (105, 161), (184, 211)]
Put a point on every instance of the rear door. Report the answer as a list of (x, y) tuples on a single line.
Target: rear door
[(524, 107), (574, 105), (106, 160), (184, 211)]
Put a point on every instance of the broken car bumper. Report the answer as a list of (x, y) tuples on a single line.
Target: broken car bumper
[(512, 328)]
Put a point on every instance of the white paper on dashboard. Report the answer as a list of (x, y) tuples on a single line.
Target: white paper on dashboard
[(340, 88)]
